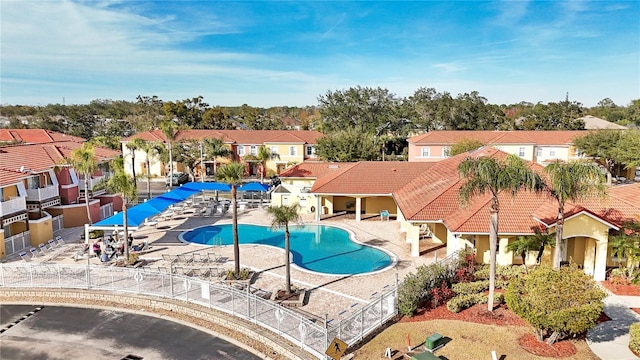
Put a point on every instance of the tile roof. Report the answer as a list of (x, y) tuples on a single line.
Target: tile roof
[(314, 169), (449, 137), (592, 123), (35, 136), (249, 137), (370, 177), (41, 157)]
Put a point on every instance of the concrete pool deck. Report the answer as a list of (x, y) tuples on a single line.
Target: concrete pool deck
[(333, 296)]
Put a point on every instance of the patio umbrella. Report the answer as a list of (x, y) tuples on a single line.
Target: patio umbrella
[(161, 203), (208, 186)]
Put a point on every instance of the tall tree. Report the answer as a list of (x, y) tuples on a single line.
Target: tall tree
[(83, 160), (135, 145), (348, 145), (168, 128), (150, 149), (529, 243), (488, 175), (232, 174), (122, 184), (602, 145), (463, 146), (215, 148), (573, 181), (628, 149), (264, 155), (281, 216)]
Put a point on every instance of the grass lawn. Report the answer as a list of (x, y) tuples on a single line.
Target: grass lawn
[(468, 341)]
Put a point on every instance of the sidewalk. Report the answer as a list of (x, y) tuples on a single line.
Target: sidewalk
[(610, 340)]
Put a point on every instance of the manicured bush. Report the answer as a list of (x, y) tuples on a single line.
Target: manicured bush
[(502, 272), (556, 302), (471, 287), (465, 301), (634, 338), (415, 289)]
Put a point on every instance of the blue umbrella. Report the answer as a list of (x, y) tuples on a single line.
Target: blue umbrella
[(254, 186), (161, 203), (209, 186)]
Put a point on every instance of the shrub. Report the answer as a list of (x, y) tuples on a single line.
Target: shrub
[(415, 289), (440, 295), (242, 275), (634, 338), (465, 301), (471, 287), (505, 273), (556, 302)]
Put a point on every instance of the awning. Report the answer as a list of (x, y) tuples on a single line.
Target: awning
[(254, 186), (206, 186)]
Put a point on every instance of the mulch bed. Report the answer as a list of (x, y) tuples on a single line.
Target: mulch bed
[(559, 349), (621, 289), (500, 316)]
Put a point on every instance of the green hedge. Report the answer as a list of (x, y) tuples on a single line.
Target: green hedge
[(465, 301), (502, 272), (634, 338)]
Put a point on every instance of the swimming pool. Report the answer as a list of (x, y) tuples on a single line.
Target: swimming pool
[(319, 248)]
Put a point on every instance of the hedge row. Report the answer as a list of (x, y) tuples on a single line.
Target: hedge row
[(502, 272), (465, 301), (477, 286), (634, 338)]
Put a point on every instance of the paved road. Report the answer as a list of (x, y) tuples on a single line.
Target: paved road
[(76, 333)]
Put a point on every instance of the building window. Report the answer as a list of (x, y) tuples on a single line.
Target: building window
[(552, 152), (538, 152), (293, 151), (303, 202), (253, 150), (521, 152), (311, 150), (426, 151), (274, 149), (241, 150), (446, 151)]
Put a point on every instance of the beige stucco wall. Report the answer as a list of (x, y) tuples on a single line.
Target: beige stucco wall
[(308, 182), (3, 251), (373, 205), (41, 230)]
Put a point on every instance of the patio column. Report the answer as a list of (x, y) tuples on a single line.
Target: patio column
[(601, 260), (358, 208), (317, 214)]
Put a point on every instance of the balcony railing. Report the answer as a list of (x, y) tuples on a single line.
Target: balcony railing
[(92, 182), (13, 205), (44, 193)]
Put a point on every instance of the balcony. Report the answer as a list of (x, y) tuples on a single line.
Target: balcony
[(38, 195), (14, 205), (92, 182)]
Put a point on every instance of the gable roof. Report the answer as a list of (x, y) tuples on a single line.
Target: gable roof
[(248, 137), (314, 169), (35, 136), (369, 177), (593, 123), (450, 137)]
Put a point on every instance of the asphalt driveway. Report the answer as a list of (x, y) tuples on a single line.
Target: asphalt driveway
[(76, 333)]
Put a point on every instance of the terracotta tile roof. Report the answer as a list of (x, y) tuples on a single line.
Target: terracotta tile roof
[(41, 157), (621, 203), (248, 137), (433, 196), (370, 177), (314, 169), (9, 177), (449, 137), (35, 136)]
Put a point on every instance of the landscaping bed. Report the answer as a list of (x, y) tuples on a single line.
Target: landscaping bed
[(621, 289)]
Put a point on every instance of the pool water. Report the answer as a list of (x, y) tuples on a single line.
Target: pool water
[(319, 248)]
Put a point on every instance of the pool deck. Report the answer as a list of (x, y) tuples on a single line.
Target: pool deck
[(333, 296)]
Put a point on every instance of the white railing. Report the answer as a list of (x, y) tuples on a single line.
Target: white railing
[(312, 336), (106, 210), (92, 182), (13, 205), (17, 243), (44, 193), (58, 223)]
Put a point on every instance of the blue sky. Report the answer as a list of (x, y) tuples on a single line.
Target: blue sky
[(288, 53)]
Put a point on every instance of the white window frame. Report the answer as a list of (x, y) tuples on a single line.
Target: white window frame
[(552, 153), (293, 151), (273, 149), (445, 151), (425, 152), (241, 150), (253, 150), (311, 150), (521, 151), (539, 152)]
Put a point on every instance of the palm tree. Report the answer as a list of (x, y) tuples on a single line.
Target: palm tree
[(150, 149), (529, 243), (215, 148), (83, 160), (264, 155), (573, 181), (281, 216), (232, 174), (134, 145), (168, 128), (120, 183), (489, 175)]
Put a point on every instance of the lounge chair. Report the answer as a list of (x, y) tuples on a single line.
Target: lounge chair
[(34, 252), (24, 256), (384, 215), (169, 258), (185, 259), (59, 240), (43, 248), (52, 244)]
